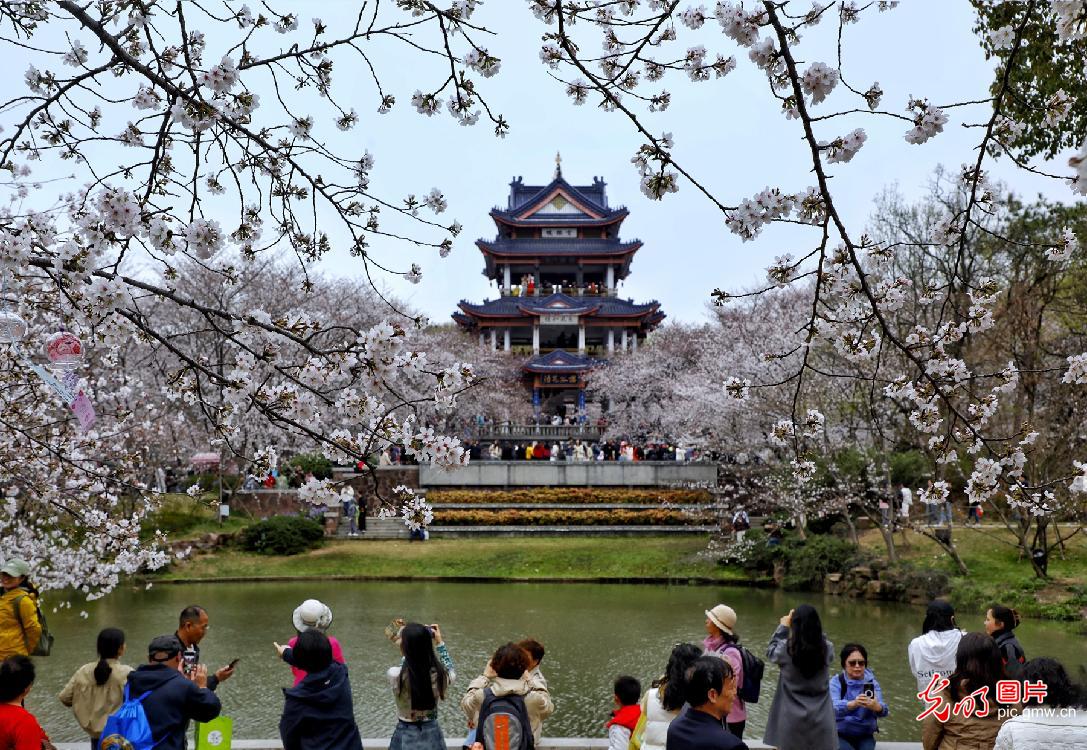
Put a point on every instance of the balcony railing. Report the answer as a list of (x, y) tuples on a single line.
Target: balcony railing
[(548, 289), (538, 432)]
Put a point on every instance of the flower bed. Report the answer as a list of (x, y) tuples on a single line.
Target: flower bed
[(572, 517), (551, 495)]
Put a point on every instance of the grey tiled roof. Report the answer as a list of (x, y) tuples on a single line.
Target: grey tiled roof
[(594, 196), (560, 360), (559, 304), (559, 246)]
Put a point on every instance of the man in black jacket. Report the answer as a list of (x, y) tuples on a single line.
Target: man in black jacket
[(174, 700), (710, 690)]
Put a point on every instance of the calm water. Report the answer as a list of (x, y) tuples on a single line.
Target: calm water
[(592, 634)]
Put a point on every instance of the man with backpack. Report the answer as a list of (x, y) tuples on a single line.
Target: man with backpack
[(747, 669), (504, 705), (169, 701)]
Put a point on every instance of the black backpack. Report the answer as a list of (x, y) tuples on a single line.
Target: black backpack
[(753, 668), (503, 723)]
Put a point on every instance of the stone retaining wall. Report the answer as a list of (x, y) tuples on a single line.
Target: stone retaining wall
[(568, 474)]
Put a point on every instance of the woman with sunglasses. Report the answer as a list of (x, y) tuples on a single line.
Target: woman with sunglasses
[(858, 700)]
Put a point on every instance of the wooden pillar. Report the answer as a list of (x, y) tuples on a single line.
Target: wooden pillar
[(611, 278), (494, 339), (624, 341), (611, 340), (535, 337), (506, 337), (635, 342), (581, 337), (506, 279)]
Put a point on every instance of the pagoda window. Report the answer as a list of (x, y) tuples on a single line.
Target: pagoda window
[(552, 232)]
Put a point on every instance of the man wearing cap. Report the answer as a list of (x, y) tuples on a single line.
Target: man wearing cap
[(174, 700), (721, 641), (192, 626), (20, 629)]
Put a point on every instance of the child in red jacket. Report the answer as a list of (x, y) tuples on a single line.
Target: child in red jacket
[(626, 714)]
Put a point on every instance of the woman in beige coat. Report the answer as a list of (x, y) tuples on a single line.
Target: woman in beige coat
[(507, 674), (97, 689), (977, 665)]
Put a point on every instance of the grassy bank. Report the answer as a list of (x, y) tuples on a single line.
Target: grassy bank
[(996, 572), (544, 557)]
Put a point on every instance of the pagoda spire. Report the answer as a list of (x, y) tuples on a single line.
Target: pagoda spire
[(558, 165)]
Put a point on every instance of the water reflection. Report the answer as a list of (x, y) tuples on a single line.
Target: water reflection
[(592, 633)]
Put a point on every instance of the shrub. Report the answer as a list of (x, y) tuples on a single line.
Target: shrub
[(807, 562), (313, 463), (573, 495), (572, 517), (283, 535)]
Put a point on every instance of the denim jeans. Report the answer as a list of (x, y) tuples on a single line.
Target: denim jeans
[(420, 735), (867, 742)]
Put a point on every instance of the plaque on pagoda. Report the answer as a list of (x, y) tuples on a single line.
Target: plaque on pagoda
[(558, 319)]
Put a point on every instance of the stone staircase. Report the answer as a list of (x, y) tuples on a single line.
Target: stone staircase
[(381, 528)]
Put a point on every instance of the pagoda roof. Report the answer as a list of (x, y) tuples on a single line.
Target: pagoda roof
[(559, 304), (560, 361), (543, 247), (558, 203)]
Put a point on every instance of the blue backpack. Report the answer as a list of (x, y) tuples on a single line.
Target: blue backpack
[(127, 728)]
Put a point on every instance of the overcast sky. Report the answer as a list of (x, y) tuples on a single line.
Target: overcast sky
[(728, 132)]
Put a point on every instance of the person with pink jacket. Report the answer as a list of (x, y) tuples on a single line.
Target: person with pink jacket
[(721, 640)]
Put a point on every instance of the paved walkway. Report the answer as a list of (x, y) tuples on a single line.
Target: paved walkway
[(547, 743)]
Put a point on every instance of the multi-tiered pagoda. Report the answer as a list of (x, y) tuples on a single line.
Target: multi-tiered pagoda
[(557, 259)]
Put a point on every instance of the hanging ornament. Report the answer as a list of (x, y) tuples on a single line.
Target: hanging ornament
[(12, 327), (64, 350)]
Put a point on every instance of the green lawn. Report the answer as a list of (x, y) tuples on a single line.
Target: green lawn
[(536, 557), (996, 572)]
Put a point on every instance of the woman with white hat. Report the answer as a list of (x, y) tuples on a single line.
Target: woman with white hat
[(721, 640), (20, 614), (313, 615)]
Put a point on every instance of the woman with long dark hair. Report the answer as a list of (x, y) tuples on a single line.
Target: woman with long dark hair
[(420, 681), (977, 666), (97, 688), (801, 715), (933, 652), (318, 712), (1000, 621), (664, 699)]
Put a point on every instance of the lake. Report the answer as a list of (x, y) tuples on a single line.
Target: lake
[(592, 632)]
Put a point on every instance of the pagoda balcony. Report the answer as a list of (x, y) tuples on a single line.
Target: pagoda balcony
[(571, 291), (509, 431)]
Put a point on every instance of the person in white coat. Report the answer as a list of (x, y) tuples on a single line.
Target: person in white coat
[(1061, 719), (664, 700), (934, 650)]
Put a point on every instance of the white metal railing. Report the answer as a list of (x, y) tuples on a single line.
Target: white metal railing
[(565, 431)]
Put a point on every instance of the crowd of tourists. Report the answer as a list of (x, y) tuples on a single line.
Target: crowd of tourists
[(578, 451), (700, 701)]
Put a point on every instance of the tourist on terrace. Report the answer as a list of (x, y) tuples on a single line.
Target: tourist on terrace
[(801, 715), (507, 676), (97, 688), (1062, 722), (418, 683), (934, 650), (19, 730), (721, 640), (858, 700), (1000, 621), (977, 665), (663, 701), (312, 615), (318, 712), (710, 690)]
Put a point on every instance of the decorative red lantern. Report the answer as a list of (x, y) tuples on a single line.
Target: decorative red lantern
[(64, 350)]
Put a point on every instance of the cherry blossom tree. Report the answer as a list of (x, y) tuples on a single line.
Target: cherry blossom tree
[(852, 286)]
